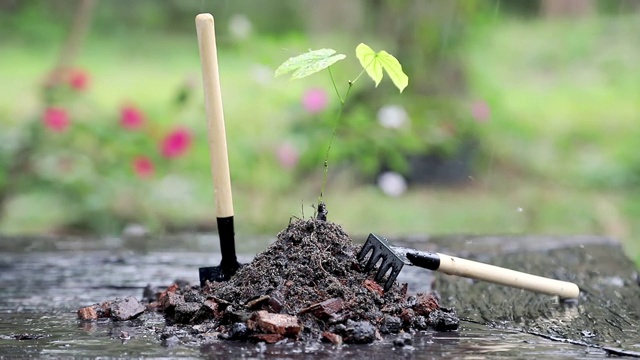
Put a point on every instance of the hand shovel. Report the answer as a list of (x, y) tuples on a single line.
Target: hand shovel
[(394, 258), (218, 151)]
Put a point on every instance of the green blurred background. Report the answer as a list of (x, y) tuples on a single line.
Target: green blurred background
[(520, 117)]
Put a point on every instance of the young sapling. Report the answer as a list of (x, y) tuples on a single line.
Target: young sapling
[(373, 63)]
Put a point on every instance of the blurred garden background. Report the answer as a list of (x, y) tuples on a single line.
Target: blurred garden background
[(520, 117)]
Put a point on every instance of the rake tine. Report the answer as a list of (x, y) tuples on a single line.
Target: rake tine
[(373, 260), (377, 248), (369, 247), (366, 248), (382, 270), (392, 277)]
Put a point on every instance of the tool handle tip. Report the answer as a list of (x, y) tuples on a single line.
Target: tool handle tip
[(203, 18)]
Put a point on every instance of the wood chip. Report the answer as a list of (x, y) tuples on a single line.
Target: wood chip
[(213, 307), (335, 339), (425, 304), (253, 303), (324, 309), (373, 286), (87, 313), (268, 338), (282, 324), (169, 301), (171, 289), (95, 311)]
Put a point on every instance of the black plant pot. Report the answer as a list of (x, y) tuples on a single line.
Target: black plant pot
[(439, 168)]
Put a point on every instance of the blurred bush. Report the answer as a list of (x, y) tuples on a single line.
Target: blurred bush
[(46, 20), (556, 98), (383, 130), (90, 157), (381, 137)]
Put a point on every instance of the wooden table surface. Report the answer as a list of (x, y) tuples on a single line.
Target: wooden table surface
[(606, 316)]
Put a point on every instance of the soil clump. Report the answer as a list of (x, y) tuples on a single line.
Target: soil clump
[(307, 285)]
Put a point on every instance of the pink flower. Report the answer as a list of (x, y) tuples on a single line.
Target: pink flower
[(131, 118), (176, 143), (480, 111), (78, 79), (287, 155), (315, 100), (56, 119), (143, 167)]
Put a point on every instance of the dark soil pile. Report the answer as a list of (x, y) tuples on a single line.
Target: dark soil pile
[(311, 276), (308, 285), (311, 261)]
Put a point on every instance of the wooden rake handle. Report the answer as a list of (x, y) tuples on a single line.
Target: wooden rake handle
[(452, 265), (215, 116)]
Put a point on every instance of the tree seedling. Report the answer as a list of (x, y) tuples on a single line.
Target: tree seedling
[(373, 63)]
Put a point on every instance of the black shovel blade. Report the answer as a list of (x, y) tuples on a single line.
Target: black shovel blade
[(220, 273), (229, 264), (379, 248)]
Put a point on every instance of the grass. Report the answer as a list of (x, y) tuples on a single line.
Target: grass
[(564, 101), (564, 96)]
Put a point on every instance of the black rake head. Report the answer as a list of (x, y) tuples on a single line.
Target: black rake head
[(379, 248)]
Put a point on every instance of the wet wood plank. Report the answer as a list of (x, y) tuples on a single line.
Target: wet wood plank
[(44, 282), (607, 314)]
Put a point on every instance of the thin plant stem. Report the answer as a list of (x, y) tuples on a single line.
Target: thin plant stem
[(333, 135), (335, 128), (335, 87), (361, 72)]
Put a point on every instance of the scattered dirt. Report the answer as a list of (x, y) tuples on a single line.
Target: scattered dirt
[(306, 286)]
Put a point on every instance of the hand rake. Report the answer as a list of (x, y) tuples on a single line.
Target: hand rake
[(394, 258)]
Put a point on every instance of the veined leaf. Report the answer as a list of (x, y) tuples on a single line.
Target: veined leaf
[(373, 63), (367, 58), (393, 68), (309, 63), (316, 66)]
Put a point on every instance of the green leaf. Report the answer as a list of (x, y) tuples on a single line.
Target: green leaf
[(309, 63), (393, 68), (309, 57), (316, 66), (367, 58), (373, 63)]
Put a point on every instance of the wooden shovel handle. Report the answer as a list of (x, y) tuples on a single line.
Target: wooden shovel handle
[(471, 269), (215, 116)]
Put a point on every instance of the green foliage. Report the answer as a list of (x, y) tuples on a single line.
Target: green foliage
[(374, 62), (309, 63), (565, 109), (100, 192), (574, 114), (430, 125), (87, 159), (365, 145), (38, 20)]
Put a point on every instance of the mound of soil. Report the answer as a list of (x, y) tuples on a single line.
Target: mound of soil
[(307, 285)]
